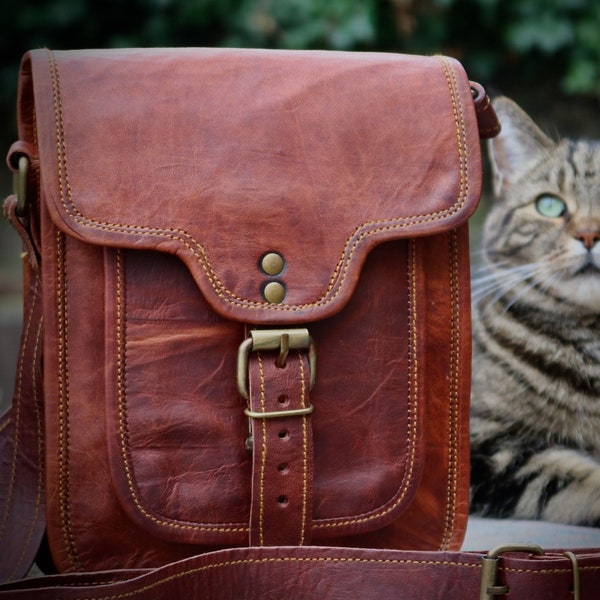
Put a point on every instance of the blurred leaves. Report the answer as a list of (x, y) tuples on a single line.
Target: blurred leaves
[(521, 41), (300, 24)]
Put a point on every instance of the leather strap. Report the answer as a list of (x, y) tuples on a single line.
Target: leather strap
[(333, 573), (487, 120), (22, 505), (281, 509)]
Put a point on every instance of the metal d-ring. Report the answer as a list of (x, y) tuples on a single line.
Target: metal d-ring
[(20, 185)]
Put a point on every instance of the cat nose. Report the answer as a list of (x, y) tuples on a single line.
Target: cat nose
[(588, 237)]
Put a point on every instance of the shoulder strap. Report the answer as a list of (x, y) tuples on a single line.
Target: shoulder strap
[(22, 505), (329, 573)]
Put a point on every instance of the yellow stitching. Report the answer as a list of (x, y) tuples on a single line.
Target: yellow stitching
[(459, 119), (321, 559), (122, 411), (290, 559), (304, 452), (413, 393), (454, 353), (453, 392), (63, 478), (196, 249), (263, 458), (40, 447), (550, 571), (17, 413), (64, 483)]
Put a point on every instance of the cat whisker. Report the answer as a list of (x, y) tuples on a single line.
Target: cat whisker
[(499, 283)]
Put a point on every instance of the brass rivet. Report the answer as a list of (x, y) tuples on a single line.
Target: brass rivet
[(274, 292), (272, 263)]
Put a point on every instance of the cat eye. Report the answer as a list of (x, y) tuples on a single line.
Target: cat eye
[(550, 206)]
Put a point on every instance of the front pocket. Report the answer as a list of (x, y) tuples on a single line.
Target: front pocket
[(175, 422)]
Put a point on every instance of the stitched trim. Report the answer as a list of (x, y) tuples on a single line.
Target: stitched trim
[(412, 406), (263, 457), (455, 364), (16, 418), (64, 483), (121, 339), (197, 250), (454, 368), (306, 560), (40, 449), (304, 451), (16, 421)]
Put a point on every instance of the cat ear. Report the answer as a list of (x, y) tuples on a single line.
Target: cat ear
[(519, 143)]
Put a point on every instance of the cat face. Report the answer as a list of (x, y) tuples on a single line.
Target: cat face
[(542, 236)]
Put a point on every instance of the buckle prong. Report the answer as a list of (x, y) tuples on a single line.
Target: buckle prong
[(281, 340), (284, 350)]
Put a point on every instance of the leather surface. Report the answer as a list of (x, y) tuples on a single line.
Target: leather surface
[(326, 151), (22, 485), (283, 458), (151, 236), (331, 573)]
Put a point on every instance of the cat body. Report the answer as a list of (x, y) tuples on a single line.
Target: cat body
[(535, 406)]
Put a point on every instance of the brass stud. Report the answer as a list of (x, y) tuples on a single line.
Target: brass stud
[(272, 263), (274, 292)]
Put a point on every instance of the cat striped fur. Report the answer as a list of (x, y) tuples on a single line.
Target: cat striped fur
[(535, 406)]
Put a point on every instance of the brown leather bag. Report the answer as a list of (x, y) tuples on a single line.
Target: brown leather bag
[(247, 275)]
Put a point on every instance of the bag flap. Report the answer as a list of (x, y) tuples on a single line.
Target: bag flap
[(221, 156)]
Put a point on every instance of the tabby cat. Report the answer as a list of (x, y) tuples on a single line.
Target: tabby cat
[(536, 340)]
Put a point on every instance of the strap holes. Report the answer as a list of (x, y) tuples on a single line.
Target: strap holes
[(283, 467), (284, 434), (282, 500), (283, 400)]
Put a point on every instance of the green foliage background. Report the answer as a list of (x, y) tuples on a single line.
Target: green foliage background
[(521, 40)]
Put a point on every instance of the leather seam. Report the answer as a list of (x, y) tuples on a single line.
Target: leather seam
[(64, 482), (304, 451), (122, 409), (40, 447), (196, 249), (16, 419), (319, 559), (263, 456), (455, 364)]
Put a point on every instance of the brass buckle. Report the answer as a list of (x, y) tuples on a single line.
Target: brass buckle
[(20, 185), (297, 412), (282, 340), (575, 564), (489, 568)]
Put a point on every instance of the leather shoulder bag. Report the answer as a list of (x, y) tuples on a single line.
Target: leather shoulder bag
[(247, 317)]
